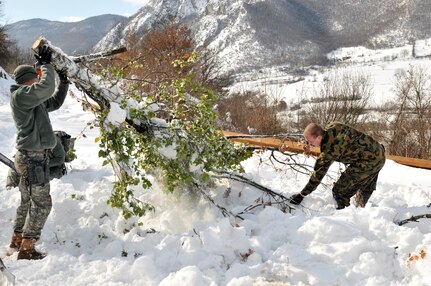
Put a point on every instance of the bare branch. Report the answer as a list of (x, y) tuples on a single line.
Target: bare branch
[(413, 218)]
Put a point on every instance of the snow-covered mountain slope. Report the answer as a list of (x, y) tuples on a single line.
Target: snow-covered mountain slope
[(72, 37), (253, 34)]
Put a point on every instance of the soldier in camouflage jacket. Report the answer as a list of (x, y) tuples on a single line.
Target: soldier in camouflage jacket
[(363, 156)]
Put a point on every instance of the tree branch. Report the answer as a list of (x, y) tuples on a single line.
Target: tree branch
[(278, 199), (414, 218), (223, 210)]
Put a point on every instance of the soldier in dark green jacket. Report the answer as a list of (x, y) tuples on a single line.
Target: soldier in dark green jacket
[(363, 156), (31, 100)]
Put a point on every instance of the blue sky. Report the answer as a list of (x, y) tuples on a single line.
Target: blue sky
[(65, 10)]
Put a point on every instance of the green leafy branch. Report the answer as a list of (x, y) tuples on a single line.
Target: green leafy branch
[(187, 147)]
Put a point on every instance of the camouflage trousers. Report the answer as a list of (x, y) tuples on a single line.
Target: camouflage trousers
[(358, 179), (36, 203)]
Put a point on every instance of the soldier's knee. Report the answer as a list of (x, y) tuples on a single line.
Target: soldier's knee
[(41, 195)]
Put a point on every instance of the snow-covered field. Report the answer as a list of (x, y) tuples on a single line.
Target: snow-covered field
[(379, 65), (186, 241)]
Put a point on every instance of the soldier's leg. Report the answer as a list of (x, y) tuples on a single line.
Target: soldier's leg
[(40, 208), (364, 194), (40, 205), (22, 210), (369, 183), (346, 186)]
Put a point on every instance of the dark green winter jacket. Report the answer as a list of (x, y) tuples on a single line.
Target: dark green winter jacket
[(347, 145), (30, 106)]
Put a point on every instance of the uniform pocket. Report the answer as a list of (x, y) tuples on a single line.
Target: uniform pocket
[(38, 173)]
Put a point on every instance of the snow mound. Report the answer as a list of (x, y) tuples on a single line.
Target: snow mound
[(5, 82)]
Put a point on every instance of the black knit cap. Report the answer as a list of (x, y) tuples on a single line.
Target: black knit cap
[(24, 73)]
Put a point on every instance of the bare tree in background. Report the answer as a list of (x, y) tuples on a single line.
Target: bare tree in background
[(341, 97), (209, 72), (152, 56), (251, 112), (410, 133), (8, 48)]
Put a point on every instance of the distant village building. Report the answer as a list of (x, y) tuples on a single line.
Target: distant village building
[(422, 48)]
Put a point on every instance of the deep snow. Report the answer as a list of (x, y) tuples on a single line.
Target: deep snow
[(186, 241)]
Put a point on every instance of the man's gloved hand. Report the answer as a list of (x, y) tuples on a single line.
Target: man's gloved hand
[(296, 199), (44, 56), (63, 77)]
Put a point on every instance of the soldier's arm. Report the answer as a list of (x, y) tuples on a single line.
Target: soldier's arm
[(58, 98), (320, 169), (39, 92)]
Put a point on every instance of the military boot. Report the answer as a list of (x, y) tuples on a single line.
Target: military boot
[(27, 250), (16, 240)]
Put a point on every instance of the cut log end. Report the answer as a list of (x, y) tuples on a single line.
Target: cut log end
[(38, 43)]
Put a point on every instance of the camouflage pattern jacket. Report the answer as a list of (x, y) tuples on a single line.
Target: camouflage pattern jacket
[(344, 144)]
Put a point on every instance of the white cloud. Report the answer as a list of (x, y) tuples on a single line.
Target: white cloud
[(71, 19), (137, 2)]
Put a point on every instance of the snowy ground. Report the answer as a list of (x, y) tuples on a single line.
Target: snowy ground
[(186, 241)]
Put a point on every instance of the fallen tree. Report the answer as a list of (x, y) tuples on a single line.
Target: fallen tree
[(184, 149)]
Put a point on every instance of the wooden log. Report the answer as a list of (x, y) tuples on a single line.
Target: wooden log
[(413, 162), (296, 147), (290, 145)]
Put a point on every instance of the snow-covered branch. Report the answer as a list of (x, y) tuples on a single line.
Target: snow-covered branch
[(185, 147)]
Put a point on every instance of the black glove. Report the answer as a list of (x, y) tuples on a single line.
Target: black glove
[(44, 56), (63, 77), (296, 199)]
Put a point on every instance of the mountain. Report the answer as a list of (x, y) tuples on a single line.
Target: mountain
[(254, 34), (71, 37)]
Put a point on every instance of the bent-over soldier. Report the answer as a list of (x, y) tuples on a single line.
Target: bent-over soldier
[(363, 156)]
